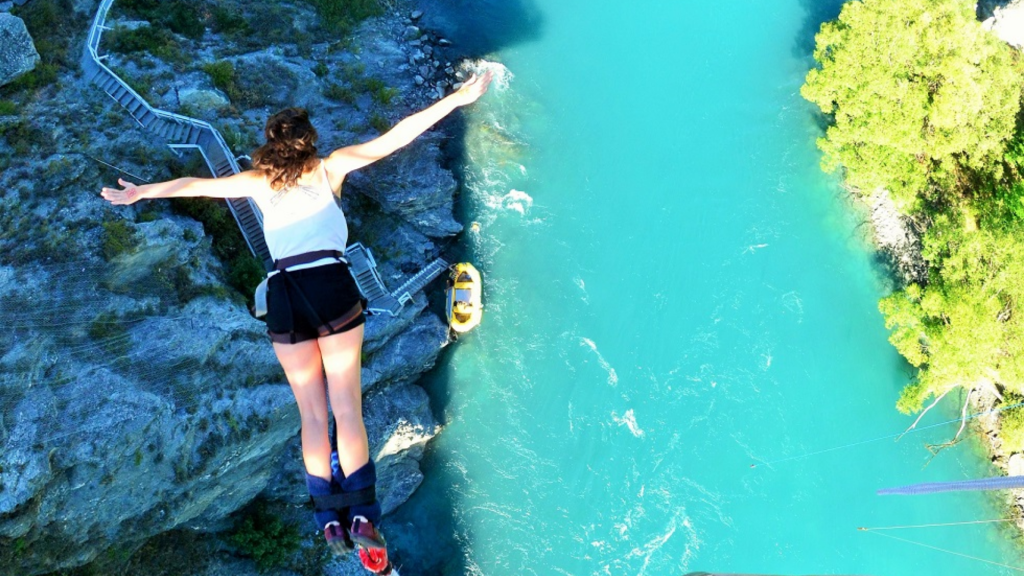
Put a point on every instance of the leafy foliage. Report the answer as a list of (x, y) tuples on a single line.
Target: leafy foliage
[(967, 325), (1011, 430), (265, 538), (181, 17), (244, 271), (918, 94), (152, 39), (222, 74), (118, 237), (341, 16)]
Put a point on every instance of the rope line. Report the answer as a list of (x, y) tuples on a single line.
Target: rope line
[(960, 554), (937, 525), (886, 437)]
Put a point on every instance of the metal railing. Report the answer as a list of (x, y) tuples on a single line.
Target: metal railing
[(207, 138), (184, 132)]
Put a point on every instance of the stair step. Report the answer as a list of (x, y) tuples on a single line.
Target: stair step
[(108, 82), (95, 74)]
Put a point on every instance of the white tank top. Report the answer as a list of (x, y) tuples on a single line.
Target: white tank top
[(303, 218)]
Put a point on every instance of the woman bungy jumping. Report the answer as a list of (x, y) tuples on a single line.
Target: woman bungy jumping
[(314, 308)]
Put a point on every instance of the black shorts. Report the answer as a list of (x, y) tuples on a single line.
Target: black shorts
[(313, 302)]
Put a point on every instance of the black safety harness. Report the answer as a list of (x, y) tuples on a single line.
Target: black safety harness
[(282, 265)]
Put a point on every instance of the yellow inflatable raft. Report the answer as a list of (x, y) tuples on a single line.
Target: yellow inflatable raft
[(463, 304)]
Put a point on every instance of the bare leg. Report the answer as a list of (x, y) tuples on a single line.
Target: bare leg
[(341, 359), (303, 366)]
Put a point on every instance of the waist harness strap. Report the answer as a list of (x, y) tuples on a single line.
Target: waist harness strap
[(307, 257)]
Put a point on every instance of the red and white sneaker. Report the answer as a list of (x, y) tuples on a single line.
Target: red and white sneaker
[(337, 539)]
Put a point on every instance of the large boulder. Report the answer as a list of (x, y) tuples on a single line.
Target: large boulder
[(414, 186), (203, 102), (17, 52)]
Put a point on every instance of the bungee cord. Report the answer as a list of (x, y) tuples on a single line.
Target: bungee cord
[(933, 525), (769, 463), (944, 550)]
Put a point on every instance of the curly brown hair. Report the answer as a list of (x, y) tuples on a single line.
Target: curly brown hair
[(290, 150)]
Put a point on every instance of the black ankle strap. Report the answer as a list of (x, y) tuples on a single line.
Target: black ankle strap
[(344, 500)]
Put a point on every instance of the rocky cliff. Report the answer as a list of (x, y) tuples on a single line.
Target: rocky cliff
[(139, 402)]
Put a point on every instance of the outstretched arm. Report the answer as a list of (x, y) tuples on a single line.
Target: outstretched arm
[(345, 160), (236, 186)]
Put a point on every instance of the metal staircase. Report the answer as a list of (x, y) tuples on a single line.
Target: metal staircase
[(184, 133), (420, 280), (181, 132)]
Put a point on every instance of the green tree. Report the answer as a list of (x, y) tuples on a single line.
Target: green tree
[(966, 328), (917, 93)]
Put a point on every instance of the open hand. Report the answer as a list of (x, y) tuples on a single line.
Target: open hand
[(474, 88), (129, 194)]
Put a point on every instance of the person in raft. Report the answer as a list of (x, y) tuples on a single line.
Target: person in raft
[(314, 308)]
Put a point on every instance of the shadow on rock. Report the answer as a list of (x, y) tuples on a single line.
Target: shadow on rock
[(480, 27)]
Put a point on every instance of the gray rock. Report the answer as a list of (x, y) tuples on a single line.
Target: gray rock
[(411, 33), (897, 238), (406, 356), (1015, 465), (416, 42), (130, 24), (1007, 22), (416, 15), (413, 186), (444, 42), (203, 101), (6, 6), (419, 80), (403, 413), (17, 51)]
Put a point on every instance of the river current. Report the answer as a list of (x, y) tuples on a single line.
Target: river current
[(674, 291)]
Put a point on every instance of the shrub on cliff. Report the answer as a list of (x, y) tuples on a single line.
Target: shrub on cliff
[(342, 15), (118, 237), (185, 18), (265, 538), (918, 96)]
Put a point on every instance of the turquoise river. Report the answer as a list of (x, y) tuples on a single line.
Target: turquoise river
[(674, 292)]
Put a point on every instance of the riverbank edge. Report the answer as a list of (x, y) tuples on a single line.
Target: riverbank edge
[(897, 239)]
